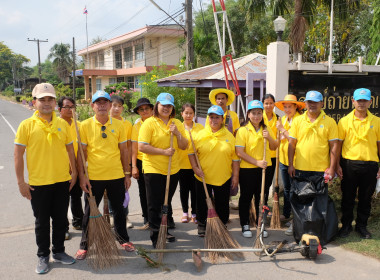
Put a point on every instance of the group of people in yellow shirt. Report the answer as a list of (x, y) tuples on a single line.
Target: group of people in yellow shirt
[(310, 144)]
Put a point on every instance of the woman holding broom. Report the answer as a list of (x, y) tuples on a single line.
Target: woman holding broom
[(186, 174), (270, 120), (250, 148), (218, 160), (154, 142), (292, 109)]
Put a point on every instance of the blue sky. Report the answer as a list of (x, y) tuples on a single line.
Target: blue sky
[(61, 20)]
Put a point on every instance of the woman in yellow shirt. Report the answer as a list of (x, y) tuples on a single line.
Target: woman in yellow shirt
[(218, 160), (186, 174), (250, 148), (154, 143), (292, 109), (270, 120)]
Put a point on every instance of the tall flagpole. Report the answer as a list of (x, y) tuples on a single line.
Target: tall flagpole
[(88, 58)]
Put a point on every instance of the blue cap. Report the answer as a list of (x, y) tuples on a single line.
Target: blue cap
[(215, 109), (165, 98), (255, 104), (314, 96), (100, 94), (362, 93)]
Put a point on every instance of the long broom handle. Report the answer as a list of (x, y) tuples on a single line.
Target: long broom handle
[(199, 165), (263, 175), (80, 148), (277, 160), (168, 176)]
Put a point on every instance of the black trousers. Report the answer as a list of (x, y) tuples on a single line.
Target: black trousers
[(269, 173), (142, 191), (186, 187), (76, 205), (116, 194), (250, 186), (50, 201), (220, 196), (155, 185), (358, 176)]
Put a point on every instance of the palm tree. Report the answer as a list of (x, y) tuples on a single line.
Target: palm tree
[(61, 55), (304, 11)]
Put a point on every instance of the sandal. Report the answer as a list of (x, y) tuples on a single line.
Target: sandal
[(185, 219), (128, 246), (170, 238), (81, 254), (194, 220)]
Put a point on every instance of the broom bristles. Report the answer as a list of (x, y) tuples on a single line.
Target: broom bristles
[(275, 222), (218, 237), (257, 241), (252, 214), (161, 240), (102, 249)]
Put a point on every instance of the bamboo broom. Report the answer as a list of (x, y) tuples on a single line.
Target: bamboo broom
[(217, 235), (101, 241), (275, 222), (161, 241), (259, 222), (106, 209), (252, 213)]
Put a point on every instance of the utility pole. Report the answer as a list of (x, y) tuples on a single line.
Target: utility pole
[(39, 57), (189, 34), (74, 93)]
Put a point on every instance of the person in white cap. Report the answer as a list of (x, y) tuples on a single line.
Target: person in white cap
[(359, 144), (50, 154)]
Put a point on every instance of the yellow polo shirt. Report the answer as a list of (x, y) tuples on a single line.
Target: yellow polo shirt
[(73, 134), (233, 116), (359, 149), (47, 163), (128, 128), (135, 136), (253, 143), (272, 124), (312, 149), (103, 154), (184, 162), (284, 144), (157, 134), (216, 151)]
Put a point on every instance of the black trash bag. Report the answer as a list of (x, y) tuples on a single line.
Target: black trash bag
[(313, 210)]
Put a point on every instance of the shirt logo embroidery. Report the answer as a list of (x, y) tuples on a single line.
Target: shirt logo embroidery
[(112, 130), (59, 129), (321, 126)]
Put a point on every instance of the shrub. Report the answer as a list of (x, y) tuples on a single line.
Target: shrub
[(84, 112), (62, 90), (123, 91), (79, 92)]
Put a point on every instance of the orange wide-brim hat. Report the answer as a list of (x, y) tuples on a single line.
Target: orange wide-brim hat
[(290, 98)]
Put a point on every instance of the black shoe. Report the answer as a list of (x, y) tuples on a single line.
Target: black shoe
[(363, 232), (77, 227), (170, 238), (344, 231), (171, 224)]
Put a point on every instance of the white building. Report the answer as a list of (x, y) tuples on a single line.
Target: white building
[(125, 58)]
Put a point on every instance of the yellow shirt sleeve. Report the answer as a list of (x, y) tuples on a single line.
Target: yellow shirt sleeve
[(22, 134), (128, 128), (333, 130), (135, 133), (241, 137), (82, 133), (293, 131), (341, 130), (123, 135)]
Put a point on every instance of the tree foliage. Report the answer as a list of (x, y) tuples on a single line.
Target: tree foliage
[(62, 59), (9, 62), (374, 33)]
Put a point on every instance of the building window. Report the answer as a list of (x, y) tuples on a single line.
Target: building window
[(118, 61), (98, 84), (112, 81), (128, 54), (137, 81), (101, 60), (139, 52), (120, 79), (131, 82)]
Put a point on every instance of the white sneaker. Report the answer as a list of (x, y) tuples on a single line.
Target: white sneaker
[(129, 224), (289, 231), (265, 234), (246, 231)]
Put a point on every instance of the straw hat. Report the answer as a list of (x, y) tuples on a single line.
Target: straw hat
[(290, 98), (215, 92)]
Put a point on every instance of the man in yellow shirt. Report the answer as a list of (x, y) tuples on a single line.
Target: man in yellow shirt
[(50, 153), (65, 106), (223, 98), (104, 142), (313, 139), (359, 143)]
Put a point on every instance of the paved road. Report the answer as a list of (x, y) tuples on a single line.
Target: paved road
[(18, 249)]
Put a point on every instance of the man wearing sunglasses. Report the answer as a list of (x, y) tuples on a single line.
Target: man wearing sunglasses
[(65, 106), (104, 142)]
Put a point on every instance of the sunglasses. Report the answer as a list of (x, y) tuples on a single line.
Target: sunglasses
[(103, 133)]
